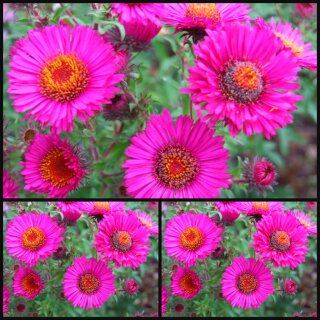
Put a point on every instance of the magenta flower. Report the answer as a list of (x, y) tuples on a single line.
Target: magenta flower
[(70, 209), (71, 75), (131, 286), (195, 18), (32, 237), (247, 283), (290, 287), (146, 221), (102, 207), (291, 40), (164, 299), (242, 77), (88, 283), (131, 12), (306, 9), (191, 237), (9, 186), (176, 161), (27, 283), (263, 208), (122, 239), (6, 300), (305, 221), (230, 210), (185, 283), (281, 239), (53, 166)]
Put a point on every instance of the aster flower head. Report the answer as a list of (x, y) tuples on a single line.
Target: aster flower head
[(122, 239), (131, 286), (263, 208), (230, 210), (146, 221), (185, 283), (176, 161), (67, 77), (179, 307), (306, 9), (247, 283), (28, 133), (27, 283), (164, 299), (290, 287), (88, 283), (53, 166), (10, 188), (194, 18), (240, 77), (191, 237), (102, 207), (305, 221), (21, 308), (291, 40), (281, 239), (70, 209), (32, 237), (136, 12), (261, 174), (311, 205), (6, 300)]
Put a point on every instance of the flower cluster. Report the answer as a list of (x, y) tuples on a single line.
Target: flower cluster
[(279, 239), (121, 239)]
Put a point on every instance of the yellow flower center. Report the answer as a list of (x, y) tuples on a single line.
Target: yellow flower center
[(33, 239), (191, 239), (290, 44)]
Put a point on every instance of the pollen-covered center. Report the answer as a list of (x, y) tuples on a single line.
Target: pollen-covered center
[(290, 44), (54, 168), (33, 239), (102, 207), (188, 284), (191, 239), (176, 167), (64, 78), (145, 222), (121, 241), (242, 82), (247, 283), (280, 241), (29, 135), (30, 284), (203, 11), (89, 283), (260, 206), (304, 222)]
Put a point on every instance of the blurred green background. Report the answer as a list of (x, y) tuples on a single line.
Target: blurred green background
[(156, 79), (209, 303), (78, 240)]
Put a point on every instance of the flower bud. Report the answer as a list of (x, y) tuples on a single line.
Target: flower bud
[(131, 286)]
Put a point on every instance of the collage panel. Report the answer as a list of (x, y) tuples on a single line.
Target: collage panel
[(80, 259), (239, 259)]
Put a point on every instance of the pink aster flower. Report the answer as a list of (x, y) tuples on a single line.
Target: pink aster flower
[(102, 207), (230, 210), (290, 287), (6, 299), (261, 174), (263, 208), (191, 237), (141, 12), (122, 239), (185, 283), (247, 283), (281, 239), (311, 205), (176, 161), (146, 221), (164, 299), (53, 166), (9, 186), (195, 18), (32, 237), (131, 286), (305, 221), (27, 283), (291, 40), (241, 77), (306, 9), (70, 209), (88, 283), (60, 73)]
